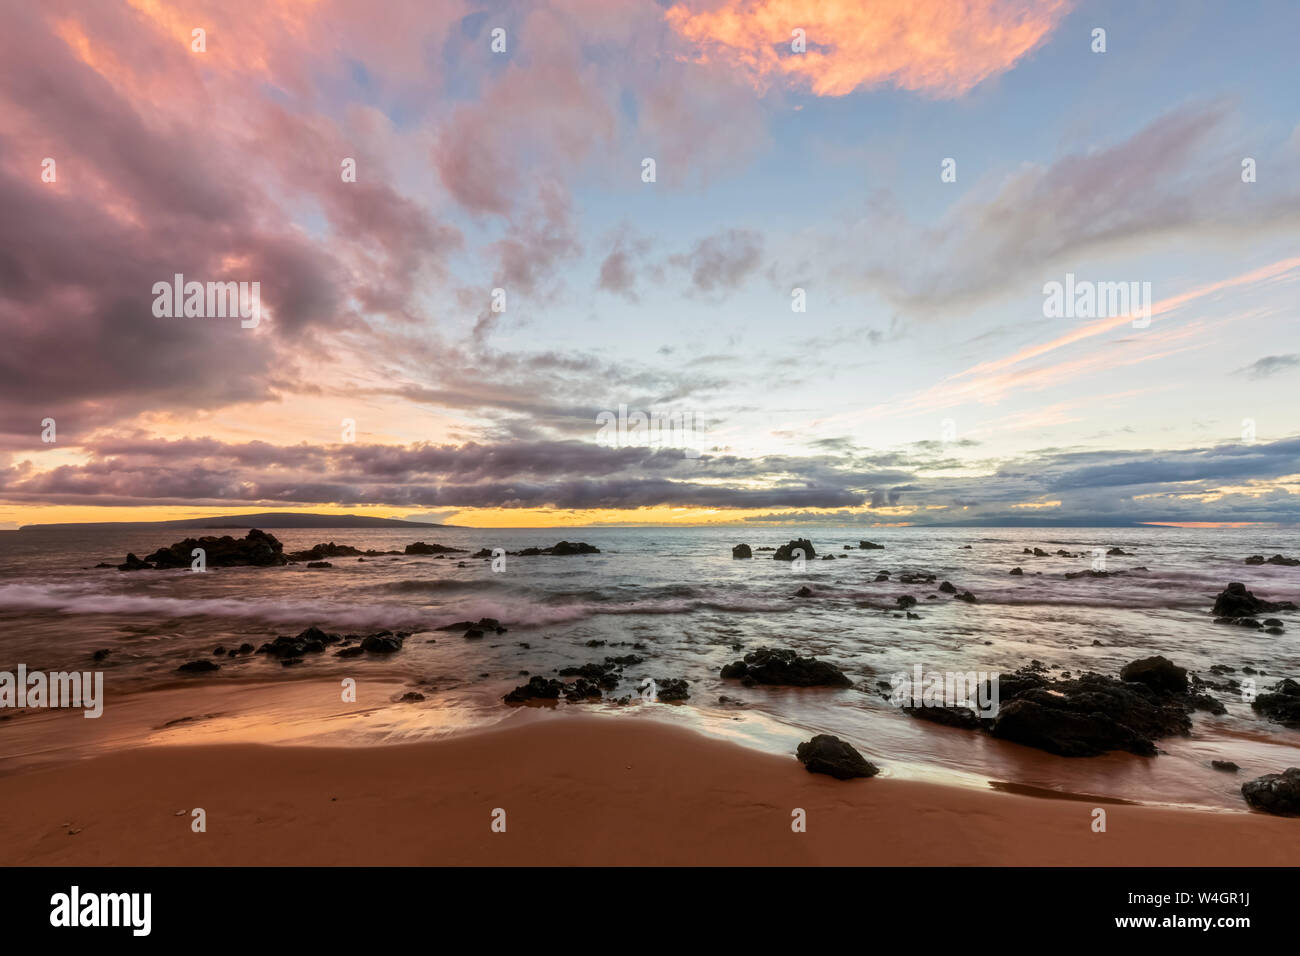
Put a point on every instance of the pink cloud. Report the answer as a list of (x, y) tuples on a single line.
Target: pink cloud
[(933, 46)]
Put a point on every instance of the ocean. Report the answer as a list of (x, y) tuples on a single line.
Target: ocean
[(677, 599)]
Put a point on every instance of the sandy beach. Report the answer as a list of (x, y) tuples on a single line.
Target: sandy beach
[(576, 791)]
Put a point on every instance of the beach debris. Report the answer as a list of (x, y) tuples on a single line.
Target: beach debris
[(830, 755), (742, 551), (787, 551), (782, 666), (1277, 793)]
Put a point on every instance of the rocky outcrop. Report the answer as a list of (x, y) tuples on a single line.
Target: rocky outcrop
[(421, 548), (1158, 673), (537, 689), (563, 548), (1086, 716), (787, 551), (329, 549), (1282, 704), (870, 546), (1276, 559), (1277, 793), (830, 755), (1236, 601), (782, 666), (741, 551), (257, 549), (672, 689)]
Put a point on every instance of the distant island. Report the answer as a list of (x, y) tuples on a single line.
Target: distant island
[(266, 519)]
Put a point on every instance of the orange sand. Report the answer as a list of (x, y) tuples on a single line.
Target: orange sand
[(579, 790)]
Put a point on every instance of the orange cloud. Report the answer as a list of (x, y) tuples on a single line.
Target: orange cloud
[(941, 47)]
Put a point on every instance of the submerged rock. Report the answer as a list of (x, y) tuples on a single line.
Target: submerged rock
[(962, 717), (1277, 793), (830, 755), (198, 667), (1276, 559), (870, 546), (782, 666)]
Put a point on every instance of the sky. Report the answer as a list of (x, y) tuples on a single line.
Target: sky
[(813, 244)]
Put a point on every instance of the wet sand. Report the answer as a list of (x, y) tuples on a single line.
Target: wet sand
[(575, 790)]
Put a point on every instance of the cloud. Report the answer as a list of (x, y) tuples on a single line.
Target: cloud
[(1164, 181), (928, 46), (1270, 365), (721, 262)]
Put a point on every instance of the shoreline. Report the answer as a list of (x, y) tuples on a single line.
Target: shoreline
[(578, 790)]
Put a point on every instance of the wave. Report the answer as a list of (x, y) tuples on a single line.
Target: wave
[(84, 600)]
